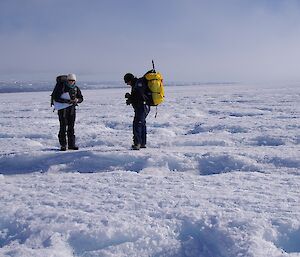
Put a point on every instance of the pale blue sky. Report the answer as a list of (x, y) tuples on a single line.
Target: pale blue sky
[(190, 40)]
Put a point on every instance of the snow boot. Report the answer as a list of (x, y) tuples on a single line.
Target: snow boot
[(73, 147), (136, 147), (63, 148)]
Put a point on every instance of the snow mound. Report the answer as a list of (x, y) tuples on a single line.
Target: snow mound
[(210, 164)]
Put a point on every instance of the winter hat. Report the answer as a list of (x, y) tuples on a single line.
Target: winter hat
[(71, 77), (128, 77)]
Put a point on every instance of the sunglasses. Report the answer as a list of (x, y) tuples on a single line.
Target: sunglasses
[(72, 80)]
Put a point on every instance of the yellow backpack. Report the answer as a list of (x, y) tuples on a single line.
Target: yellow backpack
[(156, 86)]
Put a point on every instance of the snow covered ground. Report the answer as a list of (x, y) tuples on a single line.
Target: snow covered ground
[(220, 176)]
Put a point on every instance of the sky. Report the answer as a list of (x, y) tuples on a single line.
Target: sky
[(189, 40)]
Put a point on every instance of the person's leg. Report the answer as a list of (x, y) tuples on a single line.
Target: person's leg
[(71, 132), (62, 128), (144, 126), (137, 131), (138, 126)]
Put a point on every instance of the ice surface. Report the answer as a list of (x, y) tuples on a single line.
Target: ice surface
[(220, 176)]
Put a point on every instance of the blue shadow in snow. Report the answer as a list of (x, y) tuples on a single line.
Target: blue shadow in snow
[(289, 241), (73, 161)]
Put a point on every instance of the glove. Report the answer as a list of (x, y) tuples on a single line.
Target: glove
[(74, 101), (128, 101), (128, 96)]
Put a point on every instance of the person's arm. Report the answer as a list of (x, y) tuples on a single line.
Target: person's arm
[(79, 96)]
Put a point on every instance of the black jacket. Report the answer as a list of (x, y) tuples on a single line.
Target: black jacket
[(139, 92), (63, 88)]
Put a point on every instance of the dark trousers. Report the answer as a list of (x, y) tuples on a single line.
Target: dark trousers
[(139, 124), (67, 121)]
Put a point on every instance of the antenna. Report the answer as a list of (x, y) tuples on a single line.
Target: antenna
[(153, 65)]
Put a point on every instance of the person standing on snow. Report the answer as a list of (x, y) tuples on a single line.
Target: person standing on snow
[(137, 98), (67, 95)]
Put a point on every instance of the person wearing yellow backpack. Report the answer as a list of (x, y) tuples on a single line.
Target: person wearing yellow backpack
[(138, 99)]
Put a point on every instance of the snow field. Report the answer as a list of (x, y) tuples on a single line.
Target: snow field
[(220, 176)]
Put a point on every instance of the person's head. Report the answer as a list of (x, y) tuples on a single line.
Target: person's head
[(71, 79), (128, 78)]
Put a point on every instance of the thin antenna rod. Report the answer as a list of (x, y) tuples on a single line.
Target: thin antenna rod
[(153, 65)]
